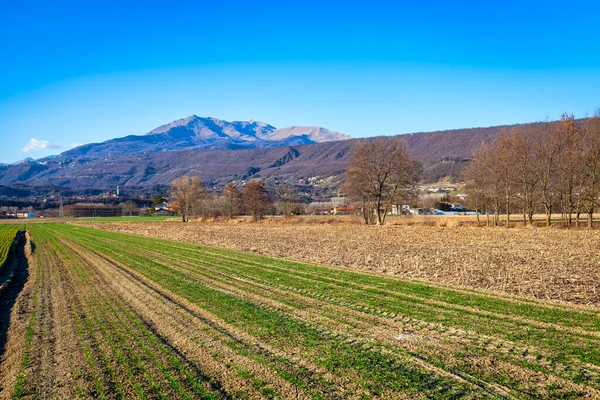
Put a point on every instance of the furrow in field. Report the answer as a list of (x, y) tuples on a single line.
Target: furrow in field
[(311, 311), (163, 279), (315, 272), (225, 333), (384, 300), (130, 350), (148, 312), (186, 331), (391, 332)]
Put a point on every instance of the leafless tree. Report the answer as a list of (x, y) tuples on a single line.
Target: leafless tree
[(525, 182), (547, 152), (129, 207), (591, 164), (569, 164), (188, 193), (476, 175), (287, 200), (505, 171), (231, 200), (256, 199), (380, 172)]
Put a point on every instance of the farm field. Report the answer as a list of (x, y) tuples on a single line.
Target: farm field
[(557, 264), (12, 278), (110, 315), (7, 236)]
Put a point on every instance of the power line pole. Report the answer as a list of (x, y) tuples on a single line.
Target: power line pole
[(61, 211)]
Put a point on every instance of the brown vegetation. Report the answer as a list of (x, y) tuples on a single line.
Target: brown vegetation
[(552, 168), (548, 264), (122, 316)]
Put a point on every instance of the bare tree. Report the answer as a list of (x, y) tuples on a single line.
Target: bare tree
[(494, 188), (129, 207), (188, 193), (380, 172), (505, 170), (524, 178), (287, 200), (256, 199), (591, 164), (546, 150), (569, 164), (476, 174), (231, 200)]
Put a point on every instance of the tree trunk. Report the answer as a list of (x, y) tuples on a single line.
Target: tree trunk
[(590, 223), (548, 216)]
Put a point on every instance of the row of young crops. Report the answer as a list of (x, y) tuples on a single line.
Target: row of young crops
[(137, 317), (7, 237)]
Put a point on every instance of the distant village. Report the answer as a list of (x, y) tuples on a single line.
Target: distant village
[(432, 200)]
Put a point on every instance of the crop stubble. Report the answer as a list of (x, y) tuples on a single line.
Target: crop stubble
[(118, 316), (557, 264)]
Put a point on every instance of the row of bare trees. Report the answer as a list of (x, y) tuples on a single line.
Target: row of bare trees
[(192, 199), (551, 167)]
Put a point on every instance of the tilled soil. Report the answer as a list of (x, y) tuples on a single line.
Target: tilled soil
[(556, 264), (108, 315)]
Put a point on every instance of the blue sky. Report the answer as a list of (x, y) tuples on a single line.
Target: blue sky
[(80, 72)]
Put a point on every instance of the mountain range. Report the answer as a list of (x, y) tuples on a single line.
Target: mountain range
[(221, 151), (199, 133)]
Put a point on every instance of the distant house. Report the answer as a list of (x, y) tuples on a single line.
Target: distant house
[(25, 214), (400, 209), (163, 209), (344, 210)]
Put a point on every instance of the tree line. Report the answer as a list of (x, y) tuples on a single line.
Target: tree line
[(551, 168), (381, 173), (192, 199)]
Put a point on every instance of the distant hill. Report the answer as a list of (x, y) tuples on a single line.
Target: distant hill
[(443, 155), (434, 147), (220, 152), (25, 160), (201, 133)]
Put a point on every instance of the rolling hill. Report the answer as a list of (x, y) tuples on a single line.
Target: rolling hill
[(221, 151)]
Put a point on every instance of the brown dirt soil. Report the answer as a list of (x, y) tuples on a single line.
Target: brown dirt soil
[(555, 264), (120, 317)]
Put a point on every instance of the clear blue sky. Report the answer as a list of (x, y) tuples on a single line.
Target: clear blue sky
[(87, 71)]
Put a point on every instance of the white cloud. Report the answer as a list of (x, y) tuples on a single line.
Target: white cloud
[(35, 144)]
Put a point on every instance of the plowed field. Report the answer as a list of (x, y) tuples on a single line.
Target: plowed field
[(110, 315), (558, 264)]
